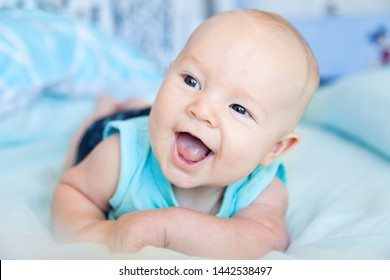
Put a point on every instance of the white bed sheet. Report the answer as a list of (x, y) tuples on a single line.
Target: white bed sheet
[(339, 195), (339, 200)]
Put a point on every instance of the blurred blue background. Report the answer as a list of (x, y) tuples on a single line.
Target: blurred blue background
[(347, 36)]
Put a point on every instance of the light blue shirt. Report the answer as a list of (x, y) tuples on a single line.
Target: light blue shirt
[(143, 186)]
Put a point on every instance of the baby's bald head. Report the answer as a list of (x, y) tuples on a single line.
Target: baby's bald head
[(290, 63)]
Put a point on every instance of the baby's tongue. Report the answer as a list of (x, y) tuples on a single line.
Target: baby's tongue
[(191, 148)]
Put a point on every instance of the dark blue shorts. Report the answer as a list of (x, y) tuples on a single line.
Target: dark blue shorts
[(94, 133)]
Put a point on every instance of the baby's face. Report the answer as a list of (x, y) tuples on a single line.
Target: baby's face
[(217, 114)]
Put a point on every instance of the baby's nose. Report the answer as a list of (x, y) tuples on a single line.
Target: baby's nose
[(202, 110)]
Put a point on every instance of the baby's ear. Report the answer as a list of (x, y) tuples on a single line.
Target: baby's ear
[(281, 147)]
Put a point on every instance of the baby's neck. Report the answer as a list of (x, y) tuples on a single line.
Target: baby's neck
[(202, 199)]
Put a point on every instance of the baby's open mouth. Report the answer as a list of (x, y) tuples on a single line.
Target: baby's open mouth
[(191, 148)]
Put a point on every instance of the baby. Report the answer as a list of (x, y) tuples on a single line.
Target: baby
[(202, 175)]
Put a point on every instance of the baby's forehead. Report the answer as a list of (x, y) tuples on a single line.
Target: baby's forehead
[(255, 22), (252, 31)]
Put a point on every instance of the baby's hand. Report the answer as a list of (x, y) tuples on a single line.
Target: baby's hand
[(133, 231)]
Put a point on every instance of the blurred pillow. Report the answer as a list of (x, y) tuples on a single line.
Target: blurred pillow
[(357, 107), (47, 117), (39, 51)]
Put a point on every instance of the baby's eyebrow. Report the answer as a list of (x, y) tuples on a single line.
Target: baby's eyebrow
[(192, 59)]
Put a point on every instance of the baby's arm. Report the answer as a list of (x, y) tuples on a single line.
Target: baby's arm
[(80, 200), (251, 233)]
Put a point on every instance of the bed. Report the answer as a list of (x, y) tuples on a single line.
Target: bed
[(53, 67)]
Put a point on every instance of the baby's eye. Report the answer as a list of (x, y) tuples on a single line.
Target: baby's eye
[(191, 81), (239, 109)]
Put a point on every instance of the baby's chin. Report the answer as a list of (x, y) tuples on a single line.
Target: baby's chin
[(184, 182)]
